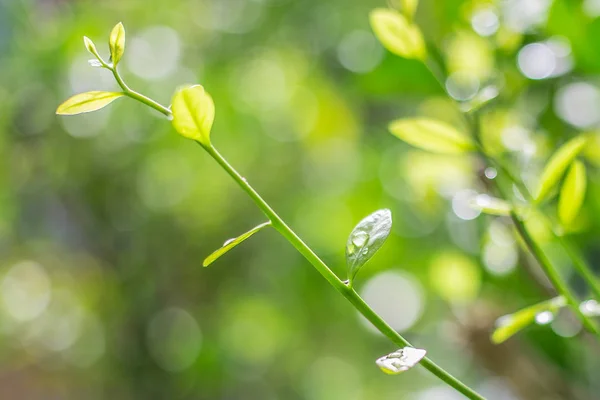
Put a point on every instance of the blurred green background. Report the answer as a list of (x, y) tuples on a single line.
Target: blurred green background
[(105, 218)]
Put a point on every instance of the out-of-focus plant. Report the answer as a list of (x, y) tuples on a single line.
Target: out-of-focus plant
[(511, 198), (192, 113)]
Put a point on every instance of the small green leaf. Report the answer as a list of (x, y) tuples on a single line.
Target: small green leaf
[(400, 360), (397, 34), (87, 102), (116, 43), (557, 165), (491, 205), (431, 135), (231, 243), (511, 324), (193, 113), (365, 239), (409, 8), (572, 193), (91, 47)]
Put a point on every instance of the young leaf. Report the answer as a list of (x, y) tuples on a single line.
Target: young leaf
[(557, 165), (91, 47), (400, 360), (409, 7), (87, 102), (116, 43), (435, 136), (491, 205), (365, 239), (193, 113), (572, 193), (397, 34), (511, 324), (231, 243)]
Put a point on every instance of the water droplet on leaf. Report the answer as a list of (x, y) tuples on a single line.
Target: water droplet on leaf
[(360, 238), (400, 360), (544, 318)]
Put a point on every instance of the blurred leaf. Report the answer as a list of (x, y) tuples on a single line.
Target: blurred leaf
[(87, 102), (455, 276), (365, 239), (193, 113), (431, 135), (400, 360), (231, 243), (397, 34), (491, 205), (116, 43), (572, 193), (511, 324), (91, 47), (481, 99), (409, 8), (558, 164)]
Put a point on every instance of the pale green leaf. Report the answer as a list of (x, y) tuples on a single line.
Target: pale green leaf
[(116, 43), (365, 239), (87, 102), (557, 165), (511, 324), (409, 8), (400, 360), (91, 47), (193, 113), (231, 243), (398, 34), (572, 193), (431, 135), (491, 205)]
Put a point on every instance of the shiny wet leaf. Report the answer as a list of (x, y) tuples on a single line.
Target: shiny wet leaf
[(365, 239), (401, 360)]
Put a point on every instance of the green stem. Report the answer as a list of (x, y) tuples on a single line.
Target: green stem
[(549, 269), (280, 225), (138, 96), (577, 259), (349, 293), (557, 281), (580, 265), (578, 262)]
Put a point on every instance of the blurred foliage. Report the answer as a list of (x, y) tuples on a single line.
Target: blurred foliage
[(106, 217)]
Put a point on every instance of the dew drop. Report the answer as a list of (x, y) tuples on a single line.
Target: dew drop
[(360, 238), (94, 63), (591, 308), (228, 241), (490, 172), (544, 318)]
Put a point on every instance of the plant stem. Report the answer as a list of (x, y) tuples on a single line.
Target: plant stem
[(557, 281), (550, 270), (578, 262), (138, 96), (580, 265), (350, 294)]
